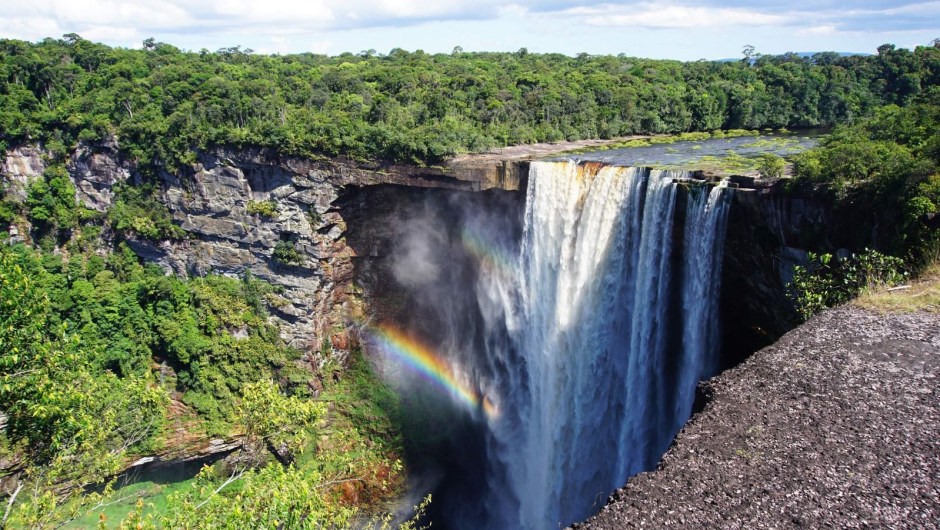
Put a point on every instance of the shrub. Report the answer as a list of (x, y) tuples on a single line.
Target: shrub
[(263, 208), (827, 281), (286, 253), (137, 210), (770, 165)]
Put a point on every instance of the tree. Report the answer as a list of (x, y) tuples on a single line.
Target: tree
[(72, 423), (770, 165), (276, 422), (750, 54)]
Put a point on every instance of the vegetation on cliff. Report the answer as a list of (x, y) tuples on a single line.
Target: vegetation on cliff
[(883, 174), (103, 359)]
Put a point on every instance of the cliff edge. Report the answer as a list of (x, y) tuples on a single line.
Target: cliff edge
[(835, 425)]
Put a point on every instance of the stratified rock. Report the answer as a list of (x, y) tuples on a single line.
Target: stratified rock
[(94, 172), (211, 198)]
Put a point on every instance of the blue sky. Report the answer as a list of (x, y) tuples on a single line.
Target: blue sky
[(677, 29)]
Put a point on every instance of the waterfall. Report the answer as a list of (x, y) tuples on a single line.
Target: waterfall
[(596, 340), (704, 237)]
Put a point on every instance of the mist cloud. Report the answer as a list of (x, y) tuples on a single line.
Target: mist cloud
[(417, 260)]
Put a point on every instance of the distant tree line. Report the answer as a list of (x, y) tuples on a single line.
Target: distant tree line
[(164, 103)]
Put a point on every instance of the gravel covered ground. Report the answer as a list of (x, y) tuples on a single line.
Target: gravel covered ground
[(837, 425)]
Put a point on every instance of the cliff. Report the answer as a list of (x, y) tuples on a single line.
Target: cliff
[(314, 201), (211, 200)]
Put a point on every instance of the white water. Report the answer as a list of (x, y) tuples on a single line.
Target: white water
[(596, 343)]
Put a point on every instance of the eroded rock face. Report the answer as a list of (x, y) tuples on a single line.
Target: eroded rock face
[(20, 167), (95, 172), (211, 201), (770, 230)]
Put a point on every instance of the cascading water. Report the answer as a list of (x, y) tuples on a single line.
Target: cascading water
[(579, 349), (589, 392)]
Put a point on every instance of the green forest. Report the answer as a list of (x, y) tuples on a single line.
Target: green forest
[(163, 103), (103, 357)]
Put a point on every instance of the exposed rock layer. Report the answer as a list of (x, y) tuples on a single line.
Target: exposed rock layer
[(211, 201), (836, 425)]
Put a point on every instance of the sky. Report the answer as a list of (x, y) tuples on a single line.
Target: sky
[(672, 29)]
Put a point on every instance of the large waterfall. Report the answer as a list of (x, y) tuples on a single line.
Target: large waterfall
[(600, 335), (570, 338)]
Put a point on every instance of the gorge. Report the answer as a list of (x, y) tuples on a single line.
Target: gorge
[(344, 282), (577, 313), (563, 311)]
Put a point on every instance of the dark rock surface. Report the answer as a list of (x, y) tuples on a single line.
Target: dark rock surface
[(837, 425)]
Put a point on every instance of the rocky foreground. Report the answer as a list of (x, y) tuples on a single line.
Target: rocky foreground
[(836, 425)]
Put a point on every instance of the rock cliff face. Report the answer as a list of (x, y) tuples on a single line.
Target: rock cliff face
[(212, 200), (20, 167), (769, 230)]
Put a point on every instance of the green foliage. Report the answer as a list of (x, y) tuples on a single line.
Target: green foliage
[(79, 403), (827, 281), (137, 211), (286, 253), (371, 406), (885, 165), (922, 241), (262, 208), (71, 421), (211, 333), (271, 419), (770, 165), (313, 216), (163, 104), (8, 212), (271, 497), (51, 205)]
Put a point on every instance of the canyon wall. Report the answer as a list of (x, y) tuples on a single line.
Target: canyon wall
[(211, 200)]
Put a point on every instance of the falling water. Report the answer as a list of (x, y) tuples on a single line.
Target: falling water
[(594, 344)]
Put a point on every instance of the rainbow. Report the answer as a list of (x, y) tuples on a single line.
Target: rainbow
[(420, 358), (489, 257)]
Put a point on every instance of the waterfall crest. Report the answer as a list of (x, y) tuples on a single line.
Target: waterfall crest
[(597, 339)]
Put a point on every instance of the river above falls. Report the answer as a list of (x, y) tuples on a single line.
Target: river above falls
[(719, 155)]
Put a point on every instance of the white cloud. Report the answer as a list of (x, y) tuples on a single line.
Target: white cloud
[(124, 36), (333, 26), (153, 13), (676, 16), (826, 29), (29, 27), (921, 8), (245, 12), (321, 46)]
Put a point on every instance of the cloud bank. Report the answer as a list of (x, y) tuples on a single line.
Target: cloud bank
[(298, 25)]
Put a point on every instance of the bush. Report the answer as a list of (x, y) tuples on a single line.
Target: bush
[(828, 281), (286, 253), (137, 210), (770, 165), (263, 208)]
